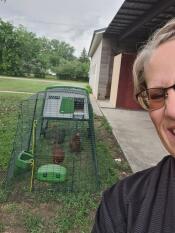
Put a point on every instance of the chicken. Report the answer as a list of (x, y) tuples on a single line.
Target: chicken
[(75, 143), (58, 154)]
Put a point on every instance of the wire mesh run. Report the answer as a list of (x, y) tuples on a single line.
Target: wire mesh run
[(54, 146)]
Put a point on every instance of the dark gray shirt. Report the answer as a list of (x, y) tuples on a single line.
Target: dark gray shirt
[(141, 203)]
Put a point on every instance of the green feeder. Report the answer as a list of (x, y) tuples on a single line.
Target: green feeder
[(24, 160), (52, 173)]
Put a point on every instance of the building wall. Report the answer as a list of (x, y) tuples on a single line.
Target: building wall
[(125, 98), (94, 72), (115, 80), (105, 70)]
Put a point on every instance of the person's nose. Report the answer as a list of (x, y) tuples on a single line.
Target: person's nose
[(170, 104)]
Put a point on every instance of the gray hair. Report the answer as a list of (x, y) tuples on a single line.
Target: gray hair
[(162, 35)]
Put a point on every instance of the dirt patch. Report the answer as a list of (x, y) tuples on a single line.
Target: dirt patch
[(14, 230), (13, 215), (47, 210), (12, 222)]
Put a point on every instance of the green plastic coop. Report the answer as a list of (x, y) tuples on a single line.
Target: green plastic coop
[(54, 146)]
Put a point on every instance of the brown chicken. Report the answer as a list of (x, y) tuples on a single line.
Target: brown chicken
[(75, 144), (58, 154)]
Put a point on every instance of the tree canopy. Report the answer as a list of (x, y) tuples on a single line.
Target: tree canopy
[(22, 53)]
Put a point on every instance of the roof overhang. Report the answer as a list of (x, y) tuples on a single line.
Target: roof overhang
[(136, 20), (96, 39)]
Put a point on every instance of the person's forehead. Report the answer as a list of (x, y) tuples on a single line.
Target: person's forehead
[(160, 67)]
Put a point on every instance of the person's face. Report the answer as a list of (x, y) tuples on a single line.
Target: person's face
[(160, 72)]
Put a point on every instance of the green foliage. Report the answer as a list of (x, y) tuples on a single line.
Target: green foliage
[(2, 228), (89, 89), (105, 124), (11, 207), (75, 216), (33, 223), (66, 71), (3, 194), (22, 53), (73, 70), (107, 168), (84, 56), (19, 51), (82, 71), (8, 120), (61, 50)]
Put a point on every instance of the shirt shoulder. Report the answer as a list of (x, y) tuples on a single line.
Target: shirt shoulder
[(112, 213), (135, 186), (130, 185)]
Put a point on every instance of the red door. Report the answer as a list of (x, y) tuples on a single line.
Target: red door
[(125, 98)]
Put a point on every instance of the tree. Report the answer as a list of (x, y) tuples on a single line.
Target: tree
[(28, 50), (84, 56), (7, 45), (60, 50), (22, 53), (82, 69), (18, 51)]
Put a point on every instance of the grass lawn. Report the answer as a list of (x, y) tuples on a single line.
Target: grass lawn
[(8, 118), (51, 212), (33, 85)]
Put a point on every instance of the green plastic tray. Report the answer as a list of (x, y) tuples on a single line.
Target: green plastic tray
[(51, 173), (67, 105)]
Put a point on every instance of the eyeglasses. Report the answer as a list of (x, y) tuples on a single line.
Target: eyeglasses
[(153, 98)]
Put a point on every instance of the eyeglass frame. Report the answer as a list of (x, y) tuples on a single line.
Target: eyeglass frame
[(160, 88)]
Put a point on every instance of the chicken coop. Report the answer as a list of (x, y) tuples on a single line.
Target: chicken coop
[(54, 146)]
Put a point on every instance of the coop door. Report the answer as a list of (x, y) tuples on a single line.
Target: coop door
[(67, 105), (79, 104)]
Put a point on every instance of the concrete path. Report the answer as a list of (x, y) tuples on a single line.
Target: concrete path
[(17, 92), (135, 133)]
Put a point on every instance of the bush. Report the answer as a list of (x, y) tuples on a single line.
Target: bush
[(89, 89), (73, 70), (66, 71)]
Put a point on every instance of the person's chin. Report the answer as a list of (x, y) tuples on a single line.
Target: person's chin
[(169, 142)]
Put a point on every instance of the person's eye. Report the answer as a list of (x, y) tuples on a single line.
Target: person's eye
[(156, 95)]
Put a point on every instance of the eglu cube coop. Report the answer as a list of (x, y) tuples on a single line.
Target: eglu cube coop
[(54, 146)]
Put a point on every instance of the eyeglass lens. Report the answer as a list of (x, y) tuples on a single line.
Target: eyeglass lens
[(152, 99)]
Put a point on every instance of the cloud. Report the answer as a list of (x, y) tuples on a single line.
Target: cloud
[(71, 21)]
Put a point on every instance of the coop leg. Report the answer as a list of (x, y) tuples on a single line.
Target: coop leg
[(73, 171)]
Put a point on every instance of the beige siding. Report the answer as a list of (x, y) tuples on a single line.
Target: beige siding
[(115, 80), (105, 70), (94, 72)]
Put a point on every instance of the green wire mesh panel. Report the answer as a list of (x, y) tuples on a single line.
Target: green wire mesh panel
[(59, 152), (30, 109)]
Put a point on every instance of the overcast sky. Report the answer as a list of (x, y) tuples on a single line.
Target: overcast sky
[(72, 21)]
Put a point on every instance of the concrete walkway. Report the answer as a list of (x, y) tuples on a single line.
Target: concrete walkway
[(135, 133), (17, 92)]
